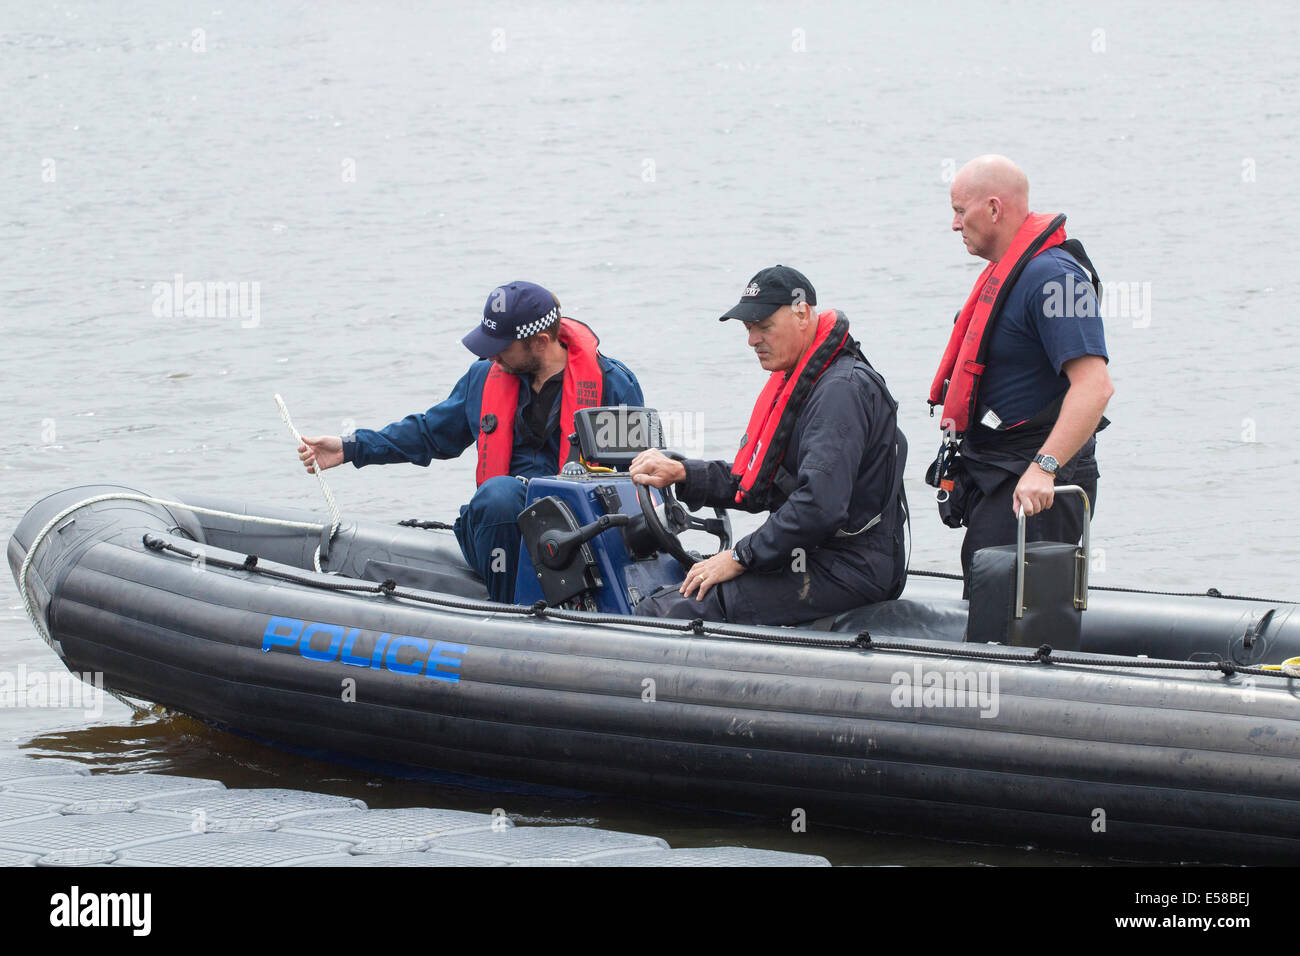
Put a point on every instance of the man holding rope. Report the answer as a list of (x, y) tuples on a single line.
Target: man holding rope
[(516, 405)]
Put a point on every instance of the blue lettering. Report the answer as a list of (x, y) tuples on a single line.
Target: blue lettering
[(438, 664), (347, 658), (336, 638), (416, 664), (403, 654), (273, 636)]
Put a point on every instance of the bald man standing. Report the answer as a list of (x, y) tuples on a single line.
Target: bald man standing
[(1024, 379)]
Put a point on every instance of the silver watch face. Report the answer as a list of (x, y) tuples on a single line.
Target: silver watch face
[(1047, 463)]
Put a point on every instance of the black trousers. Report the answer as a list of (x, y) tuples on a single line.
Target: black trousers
[(832, 580), (667, 601), (991, 522)]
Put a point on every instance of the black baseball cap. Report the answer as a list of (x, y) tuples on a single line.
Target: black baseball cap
[(768, 291), (513, 311)]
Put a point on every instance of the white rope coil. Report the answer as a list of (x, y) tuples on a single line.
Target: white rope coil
[(1290, 667)]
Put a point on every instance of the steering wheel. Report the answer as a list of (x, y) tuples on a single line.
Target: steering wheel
[(678, 520)]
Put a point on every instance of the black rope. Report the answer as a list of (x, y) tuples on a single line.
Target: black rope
[(714, 630), (1208, 592), (935, 574), (862, 642), (427, 525)]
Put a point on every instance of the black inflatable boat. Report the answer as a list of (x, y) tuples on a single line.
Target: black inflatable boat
[(1172, 732)]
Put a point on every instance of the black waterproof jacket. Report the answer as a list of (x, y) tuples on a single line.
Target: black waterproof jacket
[(845, 461)]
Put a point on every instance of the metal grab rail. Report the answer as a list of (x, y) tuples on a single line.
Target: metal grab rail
[(1080, 577)]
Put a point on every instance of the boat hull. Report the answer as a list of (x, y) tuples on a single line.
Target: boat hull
[(1151, 763)]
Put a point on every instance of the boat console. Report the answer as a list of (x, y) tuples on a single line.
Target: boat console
[(593, 538)]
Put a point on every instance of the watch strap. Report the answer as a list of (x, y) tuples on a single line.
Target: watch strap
[(1042, 462)]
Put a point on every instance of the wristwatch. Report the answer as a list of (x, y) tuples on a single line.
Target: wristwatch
[(1047, 463), (735, 556)]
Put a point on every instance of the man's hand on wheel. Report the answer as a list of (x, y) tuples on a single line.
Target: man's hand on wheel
[(653, 467), (323, 452)]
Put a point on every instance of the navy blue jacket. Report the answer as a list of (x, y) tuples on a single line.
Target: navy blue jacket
[(841, 456), (451, 426)]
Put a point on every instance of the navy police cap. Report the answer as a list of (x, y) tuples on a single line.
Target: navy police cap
[(513, 311), (770, 289)]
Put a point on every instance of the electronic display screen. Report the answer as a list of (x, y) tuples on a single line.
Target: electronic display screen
[(613, 435)]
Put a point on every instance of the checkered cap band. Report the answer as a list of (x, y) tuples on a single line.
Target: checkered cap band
[(535, 326)]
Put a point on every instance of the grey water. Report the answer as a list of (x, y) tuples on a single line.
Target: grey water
[(357, 178)]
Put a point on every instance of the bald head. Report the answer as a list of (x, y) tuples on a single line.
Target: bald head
[(993, 176), (990, 201)]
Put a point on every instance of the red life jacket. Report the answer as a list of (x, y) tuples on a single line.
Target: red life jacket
[(956, 384), (778, 406), (582, 386)]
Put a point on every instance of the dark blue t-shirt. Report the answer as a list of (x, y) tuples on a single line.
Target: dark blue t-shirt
[(1051, 315)]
